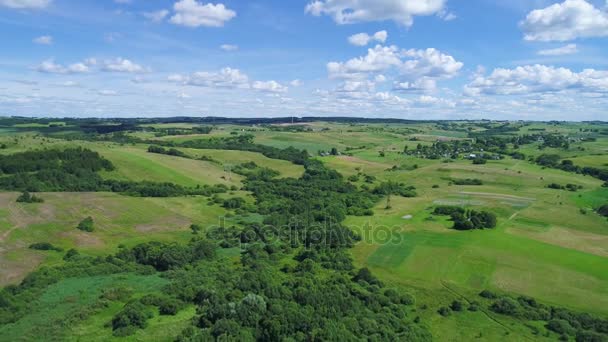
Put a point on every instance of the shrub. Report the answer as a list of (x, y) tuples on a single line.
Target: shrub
[(456, 306), (444, 311), (45, 246), (86, 225), (26, 197)]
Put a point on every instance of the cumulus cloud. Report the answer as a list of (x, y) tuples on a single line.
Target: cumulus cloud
[(122, 65), (354, 11), (228, 78), (362, 39), (25, 4), (269, 86), (156, 16), (565, 21), (411, 70), (225, 78), (537, 79), (229, 47), (295, 83), (564, 50), (43, 40), (192, 13), (50, 67)]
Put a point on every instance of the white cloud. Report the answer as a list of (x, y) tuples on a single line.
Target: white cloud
[(44, 40), (229, 47), (107, 92), (192, 13), (122, 65), (295, 83), (269, 86), (50, 67), (414, 70), (430, 63), (362, 39), (156, 16), (537, 79), (564, 50), (69, 84), (354, 11), (565, 21), (225, 78), (33, 4)]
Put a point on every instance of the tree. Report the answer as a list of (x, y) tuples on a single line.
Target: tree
[(26, 197), (86, 225)]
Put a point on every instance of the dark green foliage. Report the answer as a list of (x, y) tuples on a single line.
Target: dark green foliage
[(560, 326), (506, 306), (448, 210), (457, 306), (444, 311), (467, 219), (553, 161), (479, 161), (165, 256), (233, 203), (562, 321), (170, 152), (86, 225), (71, 254), (467, 181), (603, 210), (394, 188), (133, 316), (488, 294), (45, 246), (53, 170), (26, 197)]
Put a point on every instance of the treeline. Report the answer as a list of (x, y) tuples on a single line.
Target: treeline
[(245, 143), (467, 219), (583, 327), (76, 169), (554, 161), (161, 132)]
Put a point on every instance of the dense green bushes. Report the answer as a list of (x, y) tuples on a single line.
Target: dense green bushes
[(581, 326), (86, 225), (26, 197), (467, 181), (45, 246), (553, 161), (467, 219)]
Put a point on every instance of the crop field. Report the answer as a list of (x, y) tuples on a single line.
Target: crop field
[(549, 241)]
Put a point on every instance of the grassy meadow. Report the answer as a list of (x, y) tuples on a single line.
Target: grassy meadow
[(548, 244)]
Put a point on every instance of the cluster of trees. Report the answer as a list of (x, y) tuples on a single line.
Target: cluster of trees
[(76, 169), (170, 152), (73, 169), (554, 161), (26, 197), (467, 219), (394, 188), (252, 171), (245, 143), (45, 246), (569, 186), (583, 327), (466, 181), (86, 225), (161, 132)]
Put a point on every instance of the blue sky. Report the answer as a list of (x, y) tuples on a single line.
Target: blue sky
[(413, 59)]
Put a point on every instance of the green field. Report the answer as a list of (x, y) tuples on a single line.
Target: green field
[(549, 244)]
